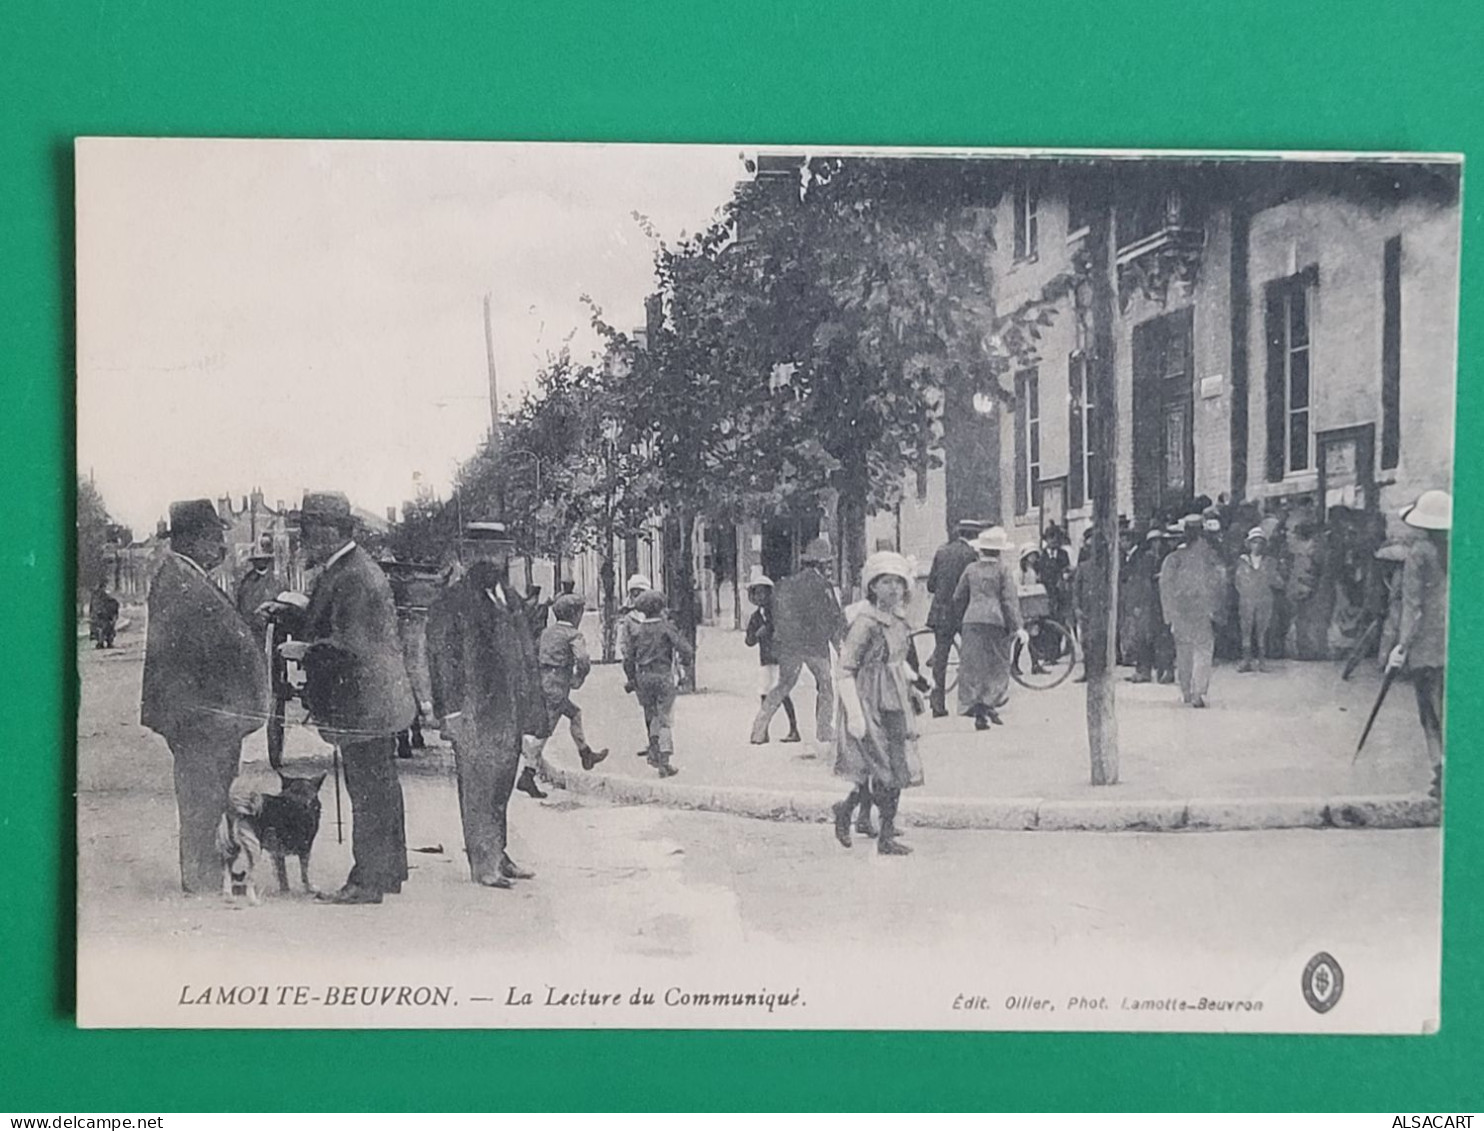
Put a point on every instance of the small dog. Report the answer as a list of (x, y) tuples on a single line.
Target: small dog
[(282, 824)]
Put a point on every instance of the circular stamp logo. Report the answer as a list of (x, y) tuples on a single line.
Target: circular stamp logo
[(1323, 983)]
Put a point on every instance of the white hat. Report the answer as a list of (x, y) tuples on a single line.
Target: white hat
[(1257, 532), (1213, 525), (1027, 549), (885, 563), (638, 581), (759, 578), (993, 539), (1433, 510)]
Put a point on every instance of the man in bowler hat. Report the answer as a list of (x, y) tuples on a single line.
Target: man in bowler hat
[(205, 684), (356, 689), (487, 691)]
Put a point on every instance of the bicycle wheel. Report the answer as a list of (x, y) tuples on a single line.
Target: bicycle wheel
[(1047, 660), (926, 642)]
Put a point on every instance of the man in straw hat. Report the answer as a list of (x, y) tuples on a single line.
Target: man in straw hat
[(486, 690), (1192, 593), (356, 689), (205, 684), (760, 633), (809, 623), (948, 566), (1422, 638)]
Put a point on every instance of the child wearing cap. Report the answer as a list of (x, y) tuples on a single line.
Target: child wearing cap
[(760, 636), (1258, 580), (564, 662), (650, 648)]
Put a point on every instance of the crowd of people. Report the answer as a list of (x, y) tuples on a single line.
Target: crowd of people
[(496, 672)]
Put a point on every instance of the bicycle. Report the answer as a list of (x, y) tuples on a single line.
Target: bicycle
[(1052, 651)]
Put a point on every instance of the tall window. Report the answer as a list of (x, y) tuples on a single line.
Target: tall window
[(1027, 224), (1027, 440), (1290, 400), (1080, 428)]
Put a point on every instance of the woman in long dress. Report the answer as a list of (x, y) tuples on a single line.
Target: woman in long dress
[(876, 747), (990, 599)]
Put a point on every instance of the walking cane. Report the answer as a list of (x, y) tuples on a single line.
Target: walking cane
[(1386, 681), (339, 826)]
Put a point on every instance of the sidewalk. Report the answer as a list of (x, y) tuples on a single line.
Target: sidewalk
[(1273, 750)]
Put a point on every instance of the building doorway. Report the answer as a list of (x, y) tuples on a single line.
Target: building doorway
[(1164, 413)]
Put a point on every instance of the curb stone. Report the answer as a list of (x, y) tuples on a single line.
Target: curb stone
[(1019, 814)]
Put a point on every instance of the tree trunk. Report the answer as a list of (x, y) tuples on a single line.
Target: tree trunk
[(609, 607), (681, 582), (851, 514), (1099, 649)]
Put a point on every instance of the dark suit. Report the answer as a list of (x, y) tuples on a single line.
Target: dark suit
[(806, 621), (205, 689), (357, 690), (483, 665), (948, 566)]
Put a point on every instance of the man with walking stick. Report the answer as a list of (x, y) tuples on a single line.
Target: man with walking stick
[(356, 690), (1423, 634)]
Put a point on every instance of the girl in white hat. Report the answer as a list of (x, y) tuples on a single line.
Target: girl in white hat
[(876, 748)]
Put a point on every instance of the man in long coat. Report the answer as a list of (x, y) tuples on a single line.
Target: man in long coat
[(1192, 592), (808, 623), (356, 689), (488, 693), (948, 565), (259, 584), (205, 684)]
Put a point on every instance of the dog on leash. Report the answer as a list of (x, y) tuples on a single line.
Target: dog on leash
[(281, 824)]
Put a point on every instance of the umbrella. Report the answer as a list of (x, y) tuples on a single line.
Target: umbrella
[(1386, 681)]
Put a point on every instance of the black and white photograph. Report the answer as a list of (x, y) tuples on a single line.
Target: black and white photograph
[(555, 585)]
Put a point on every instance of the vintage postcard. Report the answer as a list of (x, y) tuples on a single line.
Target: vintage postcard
[(532, 586)]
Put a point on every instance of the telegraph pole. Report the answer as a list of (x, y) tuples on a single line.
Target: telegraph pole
[(1100, 647)]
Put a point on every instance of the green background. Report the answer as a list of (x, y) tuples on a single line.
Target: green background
[(1362, 74)]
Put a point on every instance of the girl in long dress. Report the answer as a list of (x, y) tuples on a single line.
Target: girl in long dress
[(989, 598), (876, 747)]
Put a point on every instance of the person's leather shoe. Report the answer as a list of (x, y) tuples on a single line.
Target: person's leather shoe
[(668, 771), (994, 716), (350, 894), (841, 810), (591, 757), (527, 784), (513, 871), (792, 736), (980, 722), (496, 881), (887, 846), (864, 825), (393, 889)]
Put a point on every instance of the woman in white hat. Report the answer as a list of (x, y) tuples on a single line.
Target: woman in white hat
[(1422, 637), (876, 748), (990, 599), (760, 636)]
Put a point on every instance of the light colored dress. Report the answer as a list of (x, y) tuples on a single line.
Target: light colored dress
[(875, 656)]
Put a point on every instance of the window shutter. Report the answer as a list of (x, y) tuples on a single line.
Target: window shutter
[(1277, 395), (1391, 354), (1076, 390), (1022, 462)]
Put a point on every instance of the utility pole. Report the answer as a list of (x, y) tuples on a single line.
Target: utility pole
[(1100, 647), (489, 353)]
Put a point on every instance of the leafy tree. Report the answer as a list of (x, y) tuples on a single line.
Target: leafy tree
[(93, 525)]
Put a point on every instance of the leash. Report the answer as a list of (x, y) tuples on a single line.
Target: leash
[(339, 826)]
